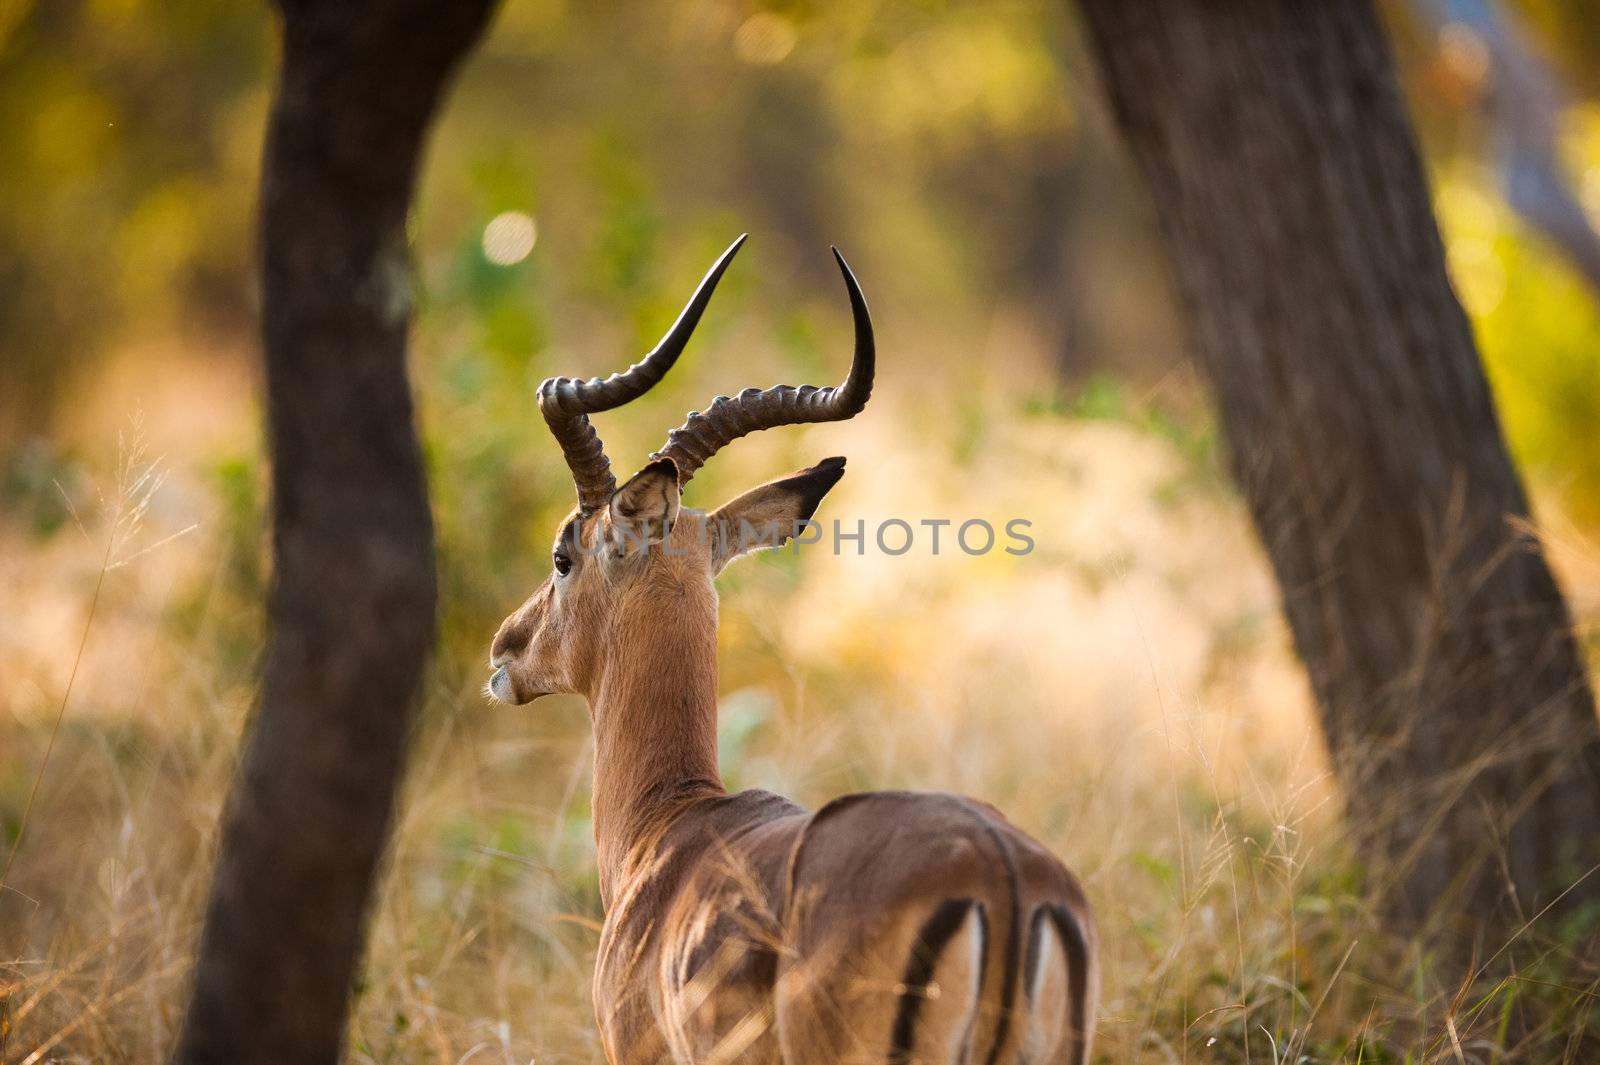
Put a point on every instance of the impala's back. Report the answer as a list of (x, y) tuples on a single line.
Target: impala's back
[(884, 927)]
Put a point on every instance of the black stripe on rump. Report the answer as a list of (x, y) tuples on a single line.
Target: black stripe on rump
[(932, 938), (1008, 985), (1076, 945)]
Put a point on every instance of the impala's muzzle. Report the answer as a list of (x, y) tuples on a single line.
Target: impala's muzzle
[(503, 689), (499, 686)]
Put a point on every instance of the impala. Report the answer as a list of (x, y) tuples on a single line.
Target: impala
[(887, 926)]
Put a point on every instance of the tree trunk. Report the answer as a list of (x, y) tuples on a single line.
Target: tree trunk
[(1289, 190), (352, 605)]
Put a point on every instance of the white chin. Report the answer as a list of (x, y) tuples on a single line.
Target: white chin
[(499, 687)]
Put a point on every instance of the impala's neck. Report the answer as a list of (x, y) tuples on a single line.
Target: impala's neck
[(655, 719)]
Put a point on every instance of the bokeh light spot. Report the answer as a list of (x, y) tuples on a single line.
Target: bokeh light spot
[(509, 237), (1465, 53), (1479, 277), (1589, 195), (765, 39)]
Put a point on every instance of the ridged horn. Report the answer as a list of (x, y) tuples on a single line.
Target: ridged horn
[(567, 402), (730, 417)]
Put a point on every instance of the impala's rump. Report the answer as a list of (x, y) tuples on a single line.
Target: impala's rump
[(887, 927), (887, 889)]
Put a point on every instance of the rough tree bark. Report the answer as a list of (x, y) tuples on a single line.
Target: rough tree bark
[(352, 604), (1289, 191)]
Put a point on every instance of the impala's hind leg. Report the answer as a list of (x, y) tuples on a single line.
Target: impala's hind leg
[(1056, 981)]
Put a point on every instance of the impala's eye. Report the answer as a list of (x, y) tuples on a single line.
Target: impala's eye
[(563, 563)]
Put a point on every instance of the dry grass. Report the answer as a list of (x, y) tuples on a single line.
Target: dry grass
[(1126, 693)]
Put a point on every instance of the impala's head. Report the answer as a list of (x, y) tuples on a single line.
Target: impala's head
[(633, 558)]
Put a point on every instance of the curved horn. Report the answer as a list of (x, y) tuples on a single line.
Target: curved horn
[(730, 417), (567, 402)]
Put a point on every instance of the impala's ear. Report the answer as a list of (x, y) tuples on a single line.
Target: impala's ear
[(643, 511), (770, 515)]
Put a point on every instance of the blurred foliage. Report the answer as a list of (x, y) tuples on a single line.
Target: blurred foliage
[(955, 148), (126, 183), (1538, 324), (939, 142)]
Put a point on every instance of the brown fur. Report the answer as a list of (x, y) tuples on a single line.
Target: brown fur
[(887, 926)]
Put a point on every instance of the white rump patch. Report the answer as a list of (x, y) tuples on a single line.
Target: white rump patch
[(1046, 1032)]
